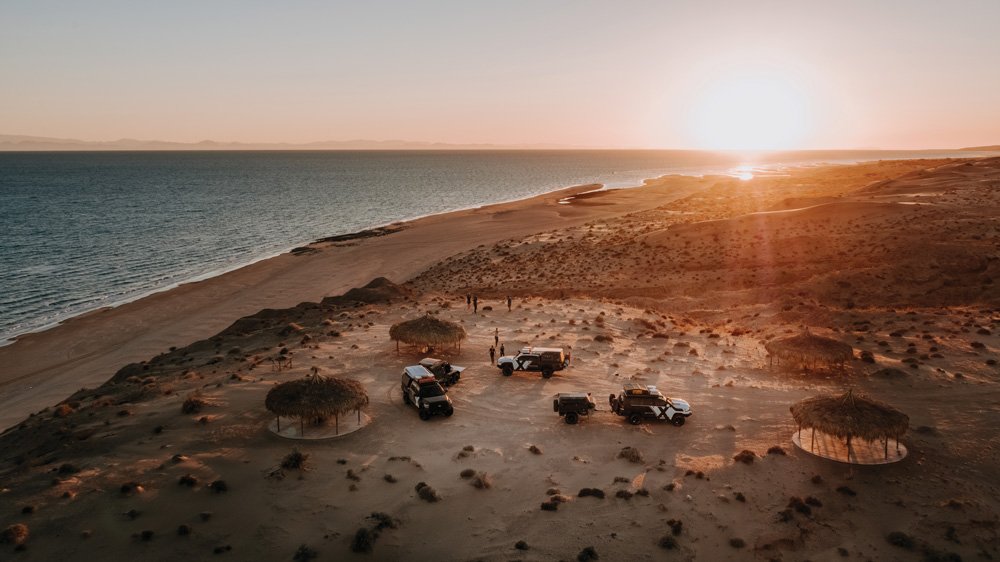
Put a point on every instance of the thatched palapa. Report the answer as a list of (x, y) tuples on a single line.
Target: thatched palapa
[(808, 349), (427, 331), (851, 416), (316, 397)]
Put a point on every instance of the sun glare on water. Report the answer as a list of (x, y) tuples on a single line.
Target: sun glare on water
[(741, 112)]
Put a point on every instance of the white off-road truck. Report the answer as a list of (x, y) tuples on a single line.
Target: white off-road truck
[(545, 359), (637, 403)]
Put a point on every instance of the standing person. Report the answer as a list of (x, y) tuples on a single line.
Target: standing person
[(493, 355), (496, 336), (501, 351), (475, 304), (468, 301), (508, 303)]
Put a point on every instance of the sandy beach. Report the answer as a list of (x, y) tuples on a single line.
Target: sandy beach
[(677, 284)]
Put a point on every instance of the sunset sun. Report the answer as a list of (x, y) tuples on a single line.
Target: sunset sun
[(743, 112)]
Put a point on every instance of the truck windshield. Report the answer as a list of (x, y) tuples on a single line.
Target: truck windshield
[(429, 390)]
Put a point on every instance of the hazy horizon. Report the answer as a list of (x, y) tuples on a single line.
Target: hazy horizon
[(767, 76)]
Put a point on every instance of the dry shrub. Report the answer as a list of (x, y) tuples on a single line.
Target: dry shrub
[(668, 542), (776, 450), (187, 480), (587, 554), (193, 404), (550, 506), (798, 505), (676, 526), (846, 491), (467, 473), (631, 454), (745, 456), (16, 534), (482, 481), (304, 554), (737, 543), (63, 410), (219, 486), (624, 494), (592, 492), (901, 539), (427, 493), (295, 460), (364, 540), (130, 488), (535, 449)]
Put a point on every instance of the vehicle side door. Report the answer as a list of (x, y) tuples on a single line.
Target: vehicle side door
[(528, 362)]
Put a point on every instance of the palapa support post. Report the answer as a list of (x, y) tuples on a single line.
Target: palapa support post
[(278, 421), (812, 443), (886, 443), (336, 418), (849, 448)]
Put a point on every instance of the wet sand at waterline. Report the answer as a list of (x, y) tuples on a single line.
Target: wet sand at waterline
[(677, 284)]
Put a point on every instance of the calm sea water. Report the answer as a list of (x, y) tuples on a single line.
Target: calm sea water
[(83, 230)]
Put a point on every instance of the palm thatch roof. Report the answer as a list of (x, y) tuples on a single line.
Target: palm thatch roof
[(427, 330), (850, 415), (809, 348), (316, 396)]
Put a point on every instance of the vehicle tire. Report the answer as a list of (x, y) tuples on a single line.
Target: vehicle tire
[(424, 414), (448, 413), (635, 419), (555, 405), (572, 417), (677, 420), (507, 370), (406, 398), (611, 402), (547, 373)]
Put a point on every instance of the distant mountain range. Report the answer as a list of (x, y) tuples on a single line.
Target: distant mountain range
[(25, 143), (30, 143)]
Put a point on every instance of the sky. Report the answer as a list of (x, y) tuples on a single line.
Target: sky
[(626, 74)]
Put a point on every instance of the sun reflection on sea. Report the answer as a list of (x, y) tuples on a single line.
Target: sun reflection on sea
[(744, 172)]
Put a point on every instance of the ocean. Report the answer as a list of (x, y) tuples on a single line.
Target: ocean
[(85, 230)]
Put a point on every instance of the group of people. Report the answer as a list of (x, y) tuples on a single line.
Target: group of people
[(472, 301)]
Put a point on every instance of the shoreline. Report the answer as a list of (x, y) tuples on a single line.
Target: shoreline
[(42, 368), (737, 171)]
